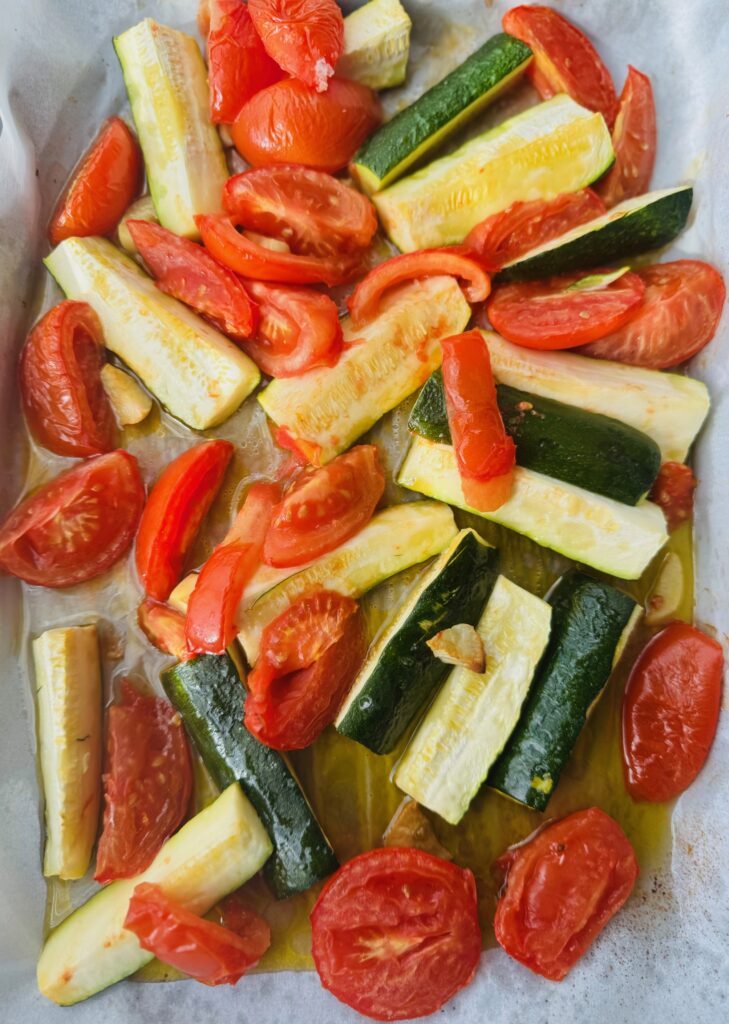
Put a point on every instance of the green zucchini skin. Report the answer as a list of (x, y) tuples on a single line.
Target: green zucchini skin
[(648, 227), (406, 674), (588, 620), (397, 144), (583, 448), (208, 693)]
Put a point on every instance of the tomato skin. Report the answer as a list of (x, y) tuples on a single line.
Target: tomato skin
[(292, 710), (505, 236), (562, 887), (371, 925), (679, 315), (305, 37), (634, 142), (674, 490), (365, 299), (544, 315), (670, 712), (77, 525), (564, 59), (147, 783), (65, 404), (238, 65), (288, 123), (316, 214), (176, 507), (204, 950), (325, 507), (102, 187), (164, 627)]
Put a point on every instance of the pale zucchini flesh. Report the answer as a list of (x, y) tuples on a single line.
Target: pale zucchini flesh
[(605, 534), (473, 715), (394, 539), (141, 209), (166, 80), (213, 854), (389, 357), (197, 373), (668, 407), (376, 44), (68, 693), (131, 404)]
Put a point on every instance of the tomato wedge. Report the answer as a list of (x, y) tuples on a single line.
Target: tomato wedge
[(506, 236), (202, 949), (679, 315), (674, 490), (238, 65), (304, 37), (564, 59), (147, 783), (288, 123), (184, 269), (564, 311), (395, 933), (485, 453), (164, 627), (211, 611), (670, 712), (77, 526), (325, 507), (634, 142), (177, 505), (102, 186), (365, 299), (313, 212), (65, 404)]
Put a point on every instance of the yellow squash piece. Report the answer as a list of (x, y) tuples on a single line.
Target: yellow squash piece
[(141, 209), (376, 44), (131, 404)]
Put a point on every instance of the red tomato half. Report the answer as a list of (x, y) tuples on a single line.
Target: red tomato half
[(65, 404), (76, 526), (147, 783), (325, 507), (101, 187), (202, 949), (551, 314), (184, 269), (634, 142), (311, 211), (506, 236), (564, 59), (365, 299), (292, 711), (177, 505), (670, 712), (679, 315), (304, 37), (673, 490), (562, 887), (164, 627), (289, 123), (395, 933), (238, 65), (211, 611)]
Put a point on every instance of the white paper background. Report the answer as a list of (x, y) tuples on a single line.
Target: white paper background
[(665, 956)]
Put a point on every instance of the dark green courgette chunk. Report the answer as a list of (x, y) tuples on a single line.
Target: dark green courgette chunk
[(586, 449), (589, 620), (208, 693)]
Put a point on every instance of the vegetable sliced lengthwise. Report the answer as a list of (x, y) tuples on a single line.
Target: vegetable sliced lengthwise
[(376, 44), (591, 621), (208, 693)]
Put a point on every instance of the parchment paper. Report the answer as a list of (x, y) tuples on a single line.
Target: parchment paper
[(665, 956)]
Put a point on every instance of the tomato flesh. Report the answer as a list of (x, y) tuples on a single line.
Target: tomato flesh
[(552, 315), (77, 526), (177, 505), (679, 315), (164, 627), (102, 186), (65, 404), (204, 950), (325, 507), (395, 933), (562, 887), (304, 37), (238, 65), (674, 490), (634, 142), (147, 783), (670, 712)]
